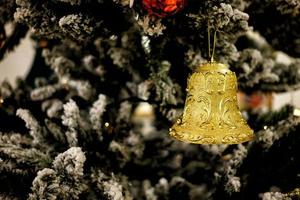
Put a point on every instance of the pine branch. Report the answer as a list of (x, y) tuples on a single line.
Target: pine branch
[(64, 181)]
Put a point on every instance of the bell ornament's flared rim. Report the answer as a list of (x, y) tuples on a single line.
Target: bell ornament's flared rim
[(213, 66), (235, 137)]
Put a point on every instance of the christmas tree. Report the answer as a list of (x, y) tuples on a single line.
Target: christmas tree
[(91, 120)]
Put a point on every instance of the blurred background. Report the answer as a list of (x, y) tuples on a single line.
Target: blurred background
[(17, 63)]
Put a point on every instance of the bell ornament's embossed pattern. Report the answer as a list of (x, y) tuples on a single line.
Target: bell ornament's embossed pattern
[(211, 114)]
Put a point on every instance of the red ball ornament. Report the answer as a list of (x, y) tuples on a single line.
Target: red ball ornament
[(163, 8)]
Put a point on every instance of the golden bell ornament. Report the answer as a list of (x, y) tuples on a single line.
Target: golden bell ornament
[(211, 114)]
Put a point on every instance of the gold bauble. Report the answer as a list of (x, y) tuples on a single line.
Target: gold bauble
[(211, 114)]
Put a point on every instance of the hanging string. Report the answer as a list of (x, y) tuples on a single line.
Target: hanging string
[(214, 46), (211, 54), (208, 38)]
